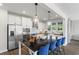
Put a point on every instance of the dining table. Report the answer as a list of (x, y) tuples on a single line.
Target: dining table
[(34, 46), (36, 43)]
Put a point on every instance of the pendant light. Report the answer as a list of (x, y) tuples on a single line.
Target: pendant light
[(36, 19), (49, 15), (49, 23)]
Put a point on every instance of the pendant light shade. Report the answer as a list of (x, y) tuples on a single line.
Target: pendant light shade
[(36, 19), (48, 23)]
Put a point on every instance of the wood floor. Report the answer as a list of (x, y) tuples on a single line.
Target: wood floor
[(71, 49), (16, 52)]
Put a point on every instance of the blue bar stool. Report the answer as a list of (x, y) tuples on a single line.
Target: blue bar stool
[(44, 50), (62, 41), (52, 46), (58, 45), (62, 44)]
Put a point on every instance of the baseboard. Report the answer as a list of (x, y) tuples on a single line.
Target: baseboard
[(75, 40), (3, 51)]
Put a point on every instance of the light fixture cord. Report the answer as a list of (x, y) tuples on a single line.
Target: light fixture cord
[(36, 8)]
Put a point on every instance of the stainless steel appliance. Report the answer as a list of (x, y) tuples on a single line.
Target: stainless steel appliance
[(11, 37), (26, 33), (14, 32)]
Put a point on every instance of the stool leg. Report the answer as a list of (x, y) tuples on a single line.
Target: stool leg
[(63, 50), (60, 52)]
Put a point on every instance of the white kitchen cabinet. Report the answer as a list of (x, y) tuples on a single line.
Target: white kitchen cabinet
[(26, 22), (14, 19), (11, 19)]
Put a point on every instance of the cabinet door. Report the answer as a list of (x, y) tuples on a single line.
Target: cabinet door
[(18, 20), (19, 30), (26, 22), (14, 19), (11, 19)]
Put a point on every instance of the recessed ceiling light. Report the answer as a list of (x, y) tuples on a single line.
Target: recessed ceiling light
[(44, 19), (24, 12), (1, 4), (56, 15)]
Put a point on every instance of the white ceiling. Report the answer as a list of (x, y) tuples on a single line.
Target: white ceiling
[(30, 9), (70, 9)]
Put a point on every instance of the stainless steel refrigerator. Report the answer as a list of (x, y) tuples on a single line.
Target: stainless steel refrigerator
[(14, 32), (11, 37)]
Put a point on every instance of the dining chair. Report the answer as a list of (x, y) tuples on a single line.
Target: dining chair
[(44, 50)]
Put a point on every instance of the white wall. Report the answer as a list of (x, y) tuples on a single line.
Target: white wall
[(3, 30), (69, 30), (75, 29)]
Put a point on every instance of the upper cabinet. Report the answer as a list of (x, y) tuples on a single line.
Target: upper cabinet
[(11, 19), (18, 20), (26, 22), (19, 30), (14, 19)]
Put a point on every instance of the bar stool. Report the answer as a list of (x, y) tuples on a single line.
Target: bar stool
[(62, 44), (62, 41), (58, 45), (43, 50), (52, 46)]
